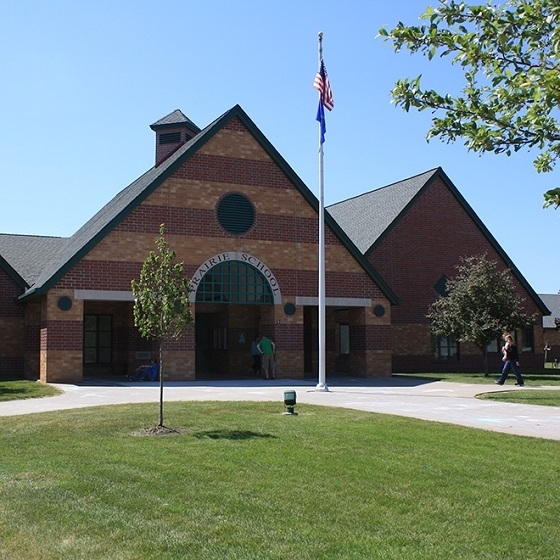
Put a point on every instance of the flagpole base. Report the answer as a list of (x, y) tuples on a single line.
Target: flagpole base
[(322, 387)]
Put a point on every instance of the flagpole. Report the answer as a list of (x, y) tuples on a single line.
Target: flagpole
[(322, 382)]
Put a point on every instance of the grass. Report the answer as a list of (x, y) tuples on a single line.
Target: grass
[(243, 481), (531, 379), (12, 390), (534, 396)]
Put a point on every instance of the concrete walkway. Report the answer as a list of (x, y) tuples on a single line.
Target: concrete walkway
[(438, 401)]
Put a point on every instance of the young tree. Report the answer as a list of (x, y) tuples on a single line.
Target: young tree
[(161, 301), (510, 58), (481, 304)]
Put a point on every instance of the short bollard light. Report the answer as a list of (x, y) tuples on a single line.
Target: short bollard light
[(290, 402)]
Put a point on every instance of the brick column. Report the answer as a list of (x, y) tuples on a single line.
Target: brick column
[(61, 338), (288, 337), (370, 340)]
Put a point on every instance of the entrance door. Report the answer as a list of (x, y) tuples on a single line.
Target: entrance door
[(223, 336), (310, 341), (206, 325)]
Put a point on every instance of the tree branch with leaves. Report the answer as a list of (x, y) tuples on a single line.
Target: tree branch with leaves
[(509, 53)]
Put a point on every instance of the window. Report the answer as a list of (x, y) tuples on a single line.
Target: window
[(445, 347), (236, 213), (234, 282), (441, 286), (344, 339), (528, 340), (98, 339)]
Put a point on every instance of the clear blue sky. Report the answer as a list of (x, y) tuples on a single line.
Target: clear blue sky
[(82, 81)]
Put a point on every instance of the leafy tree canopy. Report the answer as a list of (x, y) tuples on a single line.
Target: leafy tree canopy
[(162, 307), (509, 54), (481, 304)]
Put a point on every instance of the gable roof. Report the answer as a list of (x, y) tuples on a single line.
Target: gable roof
[(369, 217), (552, 301), (102, 223), (24, 257), (366, 217)]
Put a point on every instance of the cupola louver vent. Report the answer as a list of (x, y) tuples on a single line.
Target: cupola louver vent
[(170, 138)]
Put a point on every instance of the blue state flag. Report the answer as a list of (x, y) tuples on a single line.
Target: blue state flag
[(321, 120)]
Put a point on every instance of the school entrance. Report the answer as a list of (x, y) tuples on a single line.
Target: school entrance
[(232, 300)]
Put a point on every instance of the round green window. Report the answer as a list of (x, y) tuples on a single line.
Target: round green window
[(236, 213), (64, 303)]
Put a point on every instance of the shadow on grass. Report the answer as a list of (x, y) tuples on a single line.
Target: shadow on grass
[(15, 391), (231, 434), (24, 389)]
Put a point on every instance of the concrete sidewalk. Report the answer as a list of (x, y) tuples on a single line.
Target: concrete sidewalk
[(438, 401)]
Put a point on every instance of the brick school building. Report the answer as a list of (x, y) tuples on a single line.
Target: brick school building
[(246, 227)]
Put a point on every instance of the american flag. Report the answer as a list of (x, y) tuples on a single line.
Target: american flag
[(322, 85)]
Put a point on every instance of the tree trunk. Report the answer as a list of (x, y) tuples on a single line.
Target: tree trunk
[(485, 359), (160, 383)]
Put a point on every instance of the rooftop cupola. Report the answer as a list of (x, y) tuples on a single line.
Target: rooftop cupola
[(172, 132)]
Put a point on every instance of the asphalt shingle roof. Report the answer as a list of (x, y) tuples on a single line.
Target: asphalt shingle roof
[(40, 259), (29, 255), (552, 301), (175, 118), (365, 217)]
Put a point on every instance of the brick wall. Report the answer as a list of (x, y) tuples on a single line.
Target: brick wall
[(12, 329), (425, 244)]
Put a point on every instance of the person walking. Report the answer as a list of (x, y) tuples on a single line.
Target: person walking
[(510, 357), (268, 350)]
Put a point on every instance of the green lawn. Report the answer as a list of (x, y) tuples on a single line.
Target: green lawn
[(549, 378), (534, 396), (12, 390), (243, 481)]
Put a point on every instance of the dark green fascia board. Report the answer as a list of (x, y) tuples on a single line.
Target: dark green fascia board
[(189, 125), (439, 172), (11, 272), (195, 144)]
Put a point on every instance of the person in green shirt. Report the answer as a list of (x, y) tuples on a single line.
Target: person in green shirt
[(268, 349)]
